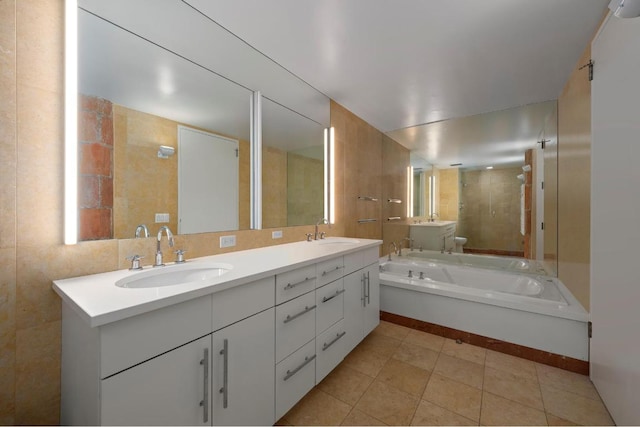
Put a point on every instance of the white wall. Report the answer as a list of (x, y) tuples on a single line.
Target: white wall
[(615, 218)]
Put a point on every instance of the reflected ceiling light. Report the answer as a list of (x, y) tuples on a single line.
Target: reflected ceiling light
[(489, 167), (166, 82), (625, 8), (71, 123)]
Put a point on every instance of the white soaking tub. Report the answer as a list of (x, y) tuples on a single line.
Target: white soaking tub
[(531, 310)]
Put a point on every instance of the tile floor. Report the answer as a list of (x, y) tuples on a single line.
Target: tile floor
[(400, 376)]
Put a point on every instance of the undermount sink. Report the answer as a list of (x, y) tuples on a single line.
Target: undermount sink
[(338, 241), (174, 275)]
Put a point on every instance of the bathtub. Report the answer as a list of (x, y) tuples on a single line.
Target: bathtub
[(530, 310), (517, 265)]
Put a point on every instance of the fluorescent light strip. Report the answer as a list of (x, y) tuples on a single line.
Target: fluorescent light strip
[(329, 175), (71, 123), (256, 161), (409, 191)]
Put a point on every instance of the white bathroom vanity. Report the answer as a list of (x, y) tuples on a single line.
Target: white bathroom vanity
[(233, 339)]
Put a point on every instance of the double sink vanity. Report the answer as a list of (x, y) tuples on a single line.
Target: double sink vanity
[(232, 339)]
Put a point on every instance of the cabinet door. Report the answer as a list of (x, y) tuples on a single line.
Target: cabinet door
[(243, 372), (171, 389), (354, 286), (372, 298)]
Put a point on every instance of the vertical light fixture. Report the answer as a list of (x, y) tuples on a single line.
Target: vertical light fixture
[(329, 175), (409, 191), (71, 122), (256, 161)]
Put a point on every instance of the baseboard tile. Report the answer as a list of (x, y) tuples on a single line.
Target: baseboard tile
[(546, 358)]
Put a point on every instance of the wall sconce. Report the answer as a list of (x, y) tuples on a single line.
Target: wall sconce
[(71, 123), (329, 175), (164, 152), (625, 8)]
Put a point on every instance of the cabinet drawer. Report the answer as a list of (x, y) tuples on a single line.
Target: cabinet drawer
[(295, 283), (369, 256), (242, 301), (130, 341), (295, 324), (295, 376), (330, 349), (330, 270), (330, 302), (353, 262)]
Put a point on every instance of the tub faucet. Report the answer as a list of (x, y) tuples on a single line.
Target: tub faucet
[(159, 262), (142, 228), (320, 221), (395, 249), (410, 242)]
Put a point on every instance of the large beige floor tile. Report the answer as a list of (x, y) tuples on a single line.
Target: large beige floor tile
[(404, 376), (379, 343), (567, 381), (552, 420), (513, 387), (500, 411), (359, 418), (464, 351), (318, 408), (573, 407), (366, 362), (392, 330), (417, 356), (388, 404), (424, 339), (460, 370), (515, 365), (454, 396), (345, 384), (429, 414)]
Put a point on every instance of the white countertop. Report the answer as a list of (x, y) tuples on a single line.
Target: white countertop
[(99, 301)]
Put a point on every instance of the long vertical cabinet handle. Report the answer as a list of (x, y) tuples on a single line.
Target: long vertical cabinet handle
[(205, 401), (225, 375), (368, 288), (364, 290)]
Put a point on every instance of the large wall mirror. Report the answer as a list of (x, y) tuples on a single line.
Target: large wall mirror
[(484, 194), (292, 167), (151, 110)]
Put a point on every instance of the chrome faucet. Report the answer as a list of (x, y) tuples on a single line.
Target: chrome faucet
[(395, 249), (320, 221), (410, 244), (142, 228), (433, 216), (159, 262)]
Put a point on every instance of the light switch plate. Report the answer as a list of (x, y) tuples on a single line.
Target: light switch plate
[(162, 217), (276, 234), (227, 241)]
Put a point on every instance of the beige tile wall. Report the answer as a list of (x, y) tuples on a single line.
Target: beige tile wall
[(574, 181), (274, 187), (395, 160), (305, 189), (448, 195)]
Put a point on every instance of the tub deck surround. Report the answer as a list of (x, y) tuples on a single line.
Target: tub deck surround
[(98, 301), (547, 317)]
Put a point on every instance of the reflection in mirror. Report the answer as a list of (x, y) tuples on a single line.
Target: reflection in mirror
[(292, 167), (498, 210), (134, 96)]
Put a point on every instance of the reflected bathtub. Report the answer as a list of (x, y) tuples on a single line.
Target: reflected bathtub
[(516, 265), (531, 310)]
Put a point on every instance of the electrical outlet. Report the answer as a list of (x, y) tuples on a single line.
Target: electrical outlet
[(162, 217), (227, 241), (276, 234)]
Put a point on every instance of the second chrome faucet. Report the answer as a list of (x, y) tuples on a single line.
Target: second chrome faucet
[(164, 228)]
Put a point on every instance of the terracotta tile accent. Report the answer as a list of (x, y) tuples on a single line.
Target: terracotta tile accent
[(95, 159), (88, 191), (95, 224), (106, 192), (546, 358), (88, 126)]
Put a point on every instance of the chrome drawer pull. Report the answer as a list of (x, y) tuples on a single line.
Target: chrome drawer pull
[(307, 360), (368, 198), (338, 267), (338, 292), (205, 401), (306, 310), (362, 221), (293, 285), (333, 341)]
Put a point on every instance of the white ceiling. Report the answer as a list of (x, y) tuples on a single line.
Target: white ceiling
[(402, 63)]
